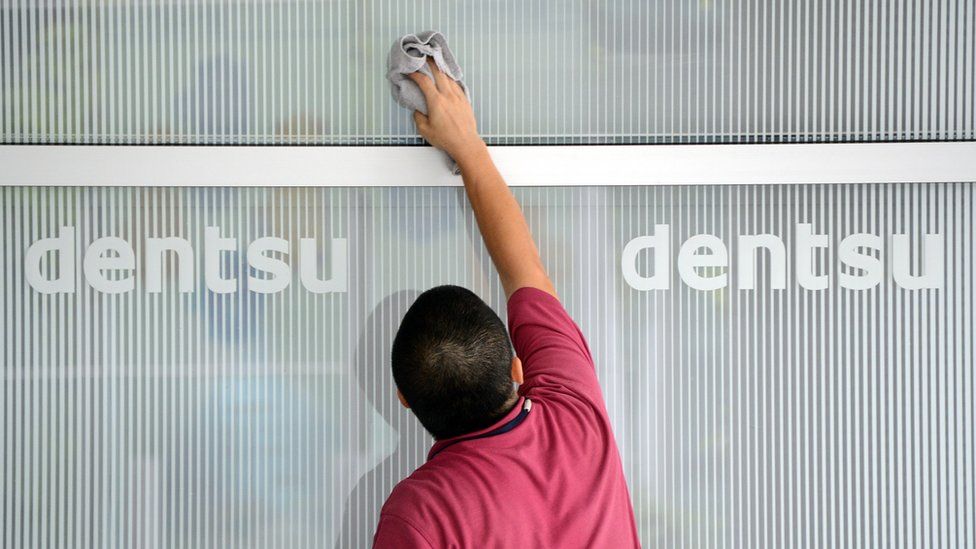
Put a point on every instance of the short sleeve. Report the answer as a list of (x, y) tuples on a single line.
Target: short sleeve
[(394, 532), (554, 353)]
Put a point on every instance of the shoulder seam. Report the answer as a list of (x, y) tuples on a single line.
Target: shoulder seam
[(410, 524)]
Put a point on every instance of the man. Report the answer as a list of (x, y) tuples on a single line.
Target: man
[(537, 467)]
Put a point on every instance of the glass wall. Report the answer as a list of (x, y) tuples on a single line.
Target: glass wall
[(809, 383), (783, 365), (576, 71)]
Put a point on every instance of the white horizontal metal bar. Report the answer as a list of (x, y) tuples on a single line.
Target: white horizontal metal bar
[(574, 165)]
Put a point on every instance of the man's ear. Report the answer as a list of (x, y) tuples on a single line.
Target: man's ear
[(403, 400), (517, 376)]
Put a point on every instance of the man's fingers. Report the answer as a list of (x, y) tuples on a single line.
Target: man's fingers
[(444, 82), (459, 90), (425, 83)]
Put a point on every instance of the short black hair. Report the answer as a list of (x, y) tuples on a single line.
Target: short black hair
[(452, 362)]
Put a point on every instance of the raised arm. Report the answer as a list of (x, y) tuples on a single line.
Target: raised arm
[(450, 126)]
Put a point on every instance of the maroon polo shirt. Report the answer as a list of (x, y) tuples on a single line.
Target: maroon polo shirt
[(554, 480)]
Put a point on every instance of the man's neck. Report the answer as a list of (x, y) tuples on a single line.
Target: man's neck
[(507, 407)]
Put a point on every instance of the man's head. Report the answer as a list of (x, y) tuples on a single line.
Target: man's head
[(452, 362)]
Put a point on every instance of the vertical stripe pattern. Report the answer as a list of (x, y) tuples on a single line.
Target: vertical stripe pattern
[(312, 71), (745, 417)]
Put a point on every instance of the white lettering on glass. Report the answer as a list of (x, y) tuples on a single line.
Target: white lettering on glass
[(109, 264), (703, 261)]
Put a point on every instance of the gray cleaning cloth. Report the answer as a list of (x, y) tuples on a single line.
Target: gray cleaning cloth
[(408, 55)]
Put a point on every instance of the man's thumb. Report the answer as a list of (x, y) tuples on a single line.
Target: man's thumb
[(420, 119)]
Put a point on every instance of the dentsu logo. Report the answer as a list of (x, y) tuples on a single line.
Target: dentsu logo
[(115, 254), (702, 251), (864, 270)]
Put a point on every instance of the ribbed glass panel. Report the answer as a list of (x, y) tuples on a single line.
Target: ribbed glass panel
[(631, 71), (745, 418)]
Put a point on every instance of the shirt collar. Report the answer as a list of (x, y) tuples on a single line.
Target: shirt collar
[(508, 417)]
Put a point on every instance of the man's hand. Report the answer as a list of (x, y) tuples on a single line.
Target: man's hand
[(449, 124)]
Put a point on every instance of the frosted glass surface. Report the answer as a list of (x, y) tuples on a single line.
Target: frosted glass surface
[(773, 416), (746, 417), (629, 71)]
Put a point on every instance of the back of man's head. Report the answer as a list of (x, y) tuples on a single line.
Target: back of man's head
[(452, 362)]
